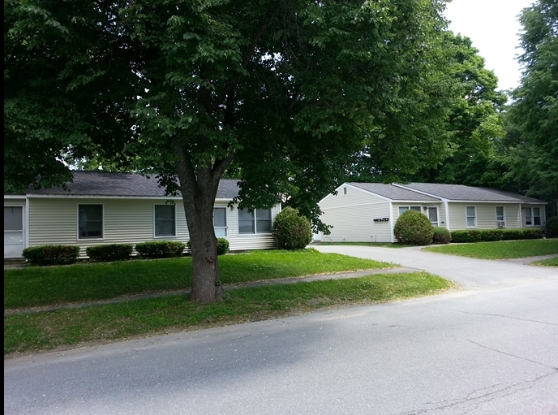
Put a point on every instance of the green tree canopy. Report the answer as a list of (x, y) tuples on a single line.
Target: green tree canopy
[(534, 113)]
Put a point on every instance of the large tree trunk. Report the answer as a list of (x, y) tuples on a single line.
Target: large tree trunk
[(203, 245), (198, 186)]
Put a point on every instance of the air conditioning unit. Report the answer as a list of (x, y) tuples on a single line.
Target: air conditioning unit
[(500, 223)]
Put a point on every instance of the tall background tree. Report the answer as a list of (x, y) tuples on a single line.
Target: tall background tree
[(534, 112), (281, 93)]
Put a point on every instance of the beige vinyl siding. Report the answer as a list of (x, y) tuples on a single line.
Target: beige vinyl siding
[(485, 215), (352, 217), (354, 197), (422, 205), (55, 221)]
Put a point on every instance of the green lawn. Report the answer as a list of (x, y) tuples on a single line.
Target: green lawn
[(551, 262), (500, 250), (102, 323), (38, 286)]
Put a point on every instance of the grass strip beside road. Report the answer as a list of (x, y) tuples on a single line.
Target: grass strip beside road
[(500, 250), (551, 262), (40, 286), (104, 323)]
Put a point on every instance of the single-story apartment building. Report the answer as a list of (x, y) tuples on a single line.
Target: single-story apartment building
[(108, 208), (367, 212)]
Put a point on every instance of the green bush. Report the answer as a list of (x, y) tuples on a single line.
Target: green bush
[(222, 246), (489, 235), (441, 236), (531, 233), (109, 252), (486, 235), (512, 234), (291, 230), (552, 227), (51, 254), (160, 249), (413, 227)]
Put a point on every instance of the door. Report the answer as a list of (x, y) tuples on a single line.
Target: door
[(13, 231), (433, 215)]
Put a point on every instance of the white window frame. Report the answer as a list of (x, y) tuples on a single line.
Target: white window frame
[(437, 223), (474, 216), (255, 222), (226, 227), (530, 212), (406, 208), (501, 218), (79, 237), (155, 236)]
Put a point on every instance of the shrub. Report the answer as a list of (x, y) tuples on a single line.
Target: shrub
[(465, 236), (291, 230), (486, 235), (51, 254), (109, 252), (222, 246), (552, 227), (160, 249), (512, 234), (413, 227), (531, 233), (492, 235), (441, 236)]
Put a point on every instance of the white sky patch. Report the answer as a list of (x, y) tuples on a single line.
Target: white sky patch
[(493, 27)]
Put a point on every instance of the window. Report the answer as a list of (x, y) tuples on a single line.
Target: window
[(344, 190), (257, 221), (532, 217), (471, 217), (165, 220), (433, 215), (500, 213), (406, 208), (220, 222), (90, 221), (13, 218)]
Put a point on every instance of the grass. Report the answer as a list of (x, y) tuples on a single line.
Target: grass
[(551, 262), (40, 286), (102, 323), (500, 250)]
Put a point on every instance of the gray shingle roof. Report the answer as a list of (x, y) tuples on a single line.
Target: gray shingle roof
[(394, 193), (123, 184), (459, 192)]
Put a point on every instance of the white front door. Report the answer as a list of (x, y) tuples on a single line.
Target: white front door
[(433, 215), (13, 231)]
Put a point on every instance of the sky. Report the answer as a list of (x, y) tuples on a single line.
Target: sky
[(493, 27)]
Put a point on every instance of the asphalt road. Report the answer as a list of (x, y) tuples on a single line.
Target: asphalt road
[(491, 348)]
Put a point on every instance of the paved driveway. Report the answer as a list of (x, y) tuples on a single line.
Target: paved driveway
[(470, 273)]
